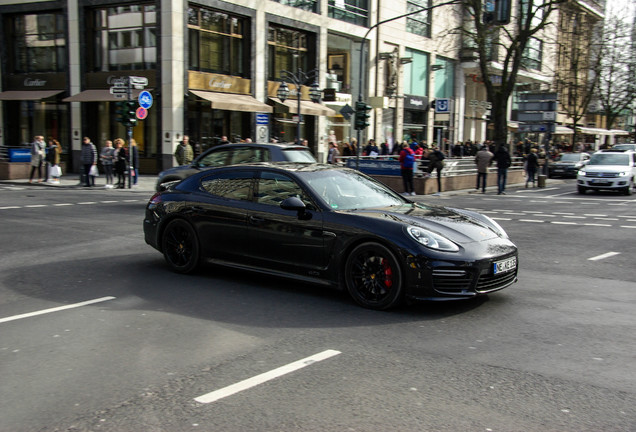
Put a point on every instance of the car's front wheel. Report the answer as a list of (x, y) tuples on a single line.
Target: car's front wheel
[(582, 190), (629, 189), (180, 246), (373, 277)]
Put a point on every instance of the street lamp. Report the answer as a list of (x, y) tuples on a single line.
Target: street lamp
[(298, 79)]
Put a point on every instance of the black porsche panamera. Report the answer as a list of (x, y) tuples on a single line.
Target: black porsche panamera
[(333, 226)]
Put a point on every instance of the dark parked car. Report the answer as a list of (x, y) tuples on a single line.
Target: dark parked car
[(230, 154), (567, 164), (333, 226)]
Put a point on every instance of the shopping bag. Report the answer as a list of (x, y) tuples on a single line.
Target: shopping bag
[(56, 171), (93, 171)]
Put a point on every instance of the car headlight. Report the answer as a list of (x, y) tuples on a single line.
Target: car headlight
[(623, 174), (431, 240)]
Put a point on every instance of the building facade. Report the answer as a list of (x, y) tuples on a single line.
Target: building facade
[(214, 69)]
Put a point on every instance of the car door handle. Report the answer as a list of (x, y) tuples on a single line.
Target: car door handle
[(256, 220)]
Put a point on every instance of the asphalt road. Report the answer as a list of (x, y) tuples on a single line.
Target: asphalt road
[(554, 352)]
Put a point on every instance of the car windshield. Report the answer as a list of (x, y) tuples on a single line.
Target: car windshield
[(299, 155), (569, 157), (349, 189), (609, 159)]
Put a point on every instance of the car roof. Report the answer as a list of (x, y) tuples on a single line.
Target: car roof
[(282, 146)]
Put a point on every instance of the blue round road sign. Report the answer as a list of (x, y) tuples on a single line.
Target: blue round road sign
[(145, 99)]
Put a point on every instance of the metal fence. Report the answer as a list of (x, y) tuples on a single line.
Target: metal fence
[(453, 166)]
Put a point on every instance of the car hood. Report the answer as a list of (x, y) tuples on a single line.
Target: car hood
[(606, 168), (460, 226)]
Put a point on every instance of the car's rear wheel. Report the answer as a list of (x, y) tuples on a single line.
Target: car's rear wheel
[(582, 190), (373, 277), (180, 246)]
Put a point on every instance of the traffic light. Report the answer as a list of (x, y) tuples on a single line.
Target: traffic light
[(362, 115), (121, 110), (131, 113)]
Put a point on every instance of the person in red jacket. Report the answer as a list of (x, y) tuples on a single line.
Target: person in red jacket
[(407, 162)]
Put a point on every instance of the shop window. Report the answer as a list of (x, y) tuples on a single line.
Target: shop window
[(418, 23), (351, 11), (338, 71), (38, 42), (125, 38), (217, 42)]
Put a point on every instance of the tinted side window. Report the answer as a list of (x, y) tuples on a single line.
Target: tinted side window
[(273, 188), (231, 185), (216, 158), (249, 155)]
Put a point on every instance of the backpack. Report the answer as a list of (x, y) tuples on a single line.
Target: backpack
[(440, 155), (409, 160)]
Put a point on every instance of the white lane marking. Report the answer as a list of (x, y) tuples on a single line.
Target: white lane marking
[(9, 207), (35, 205), (86, 202), (595, 215), (502, 219), (531, 220), (628, 226), (597, 224), (560, 213), (264, 377), (55, 309), (563, 223), (603, 256), (63, 204), (574, 217)]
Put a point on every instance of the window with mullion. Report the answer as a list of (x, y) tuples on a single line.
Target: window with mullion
[(287, 51), (217, 42), (308, 5), (418, 23), (38, 42)]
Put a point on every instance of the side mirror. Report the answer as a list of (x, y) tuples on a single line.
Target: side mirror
[(296, 204)]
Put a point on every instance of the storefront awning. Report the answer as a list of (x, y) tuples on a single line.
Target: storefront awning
[(28, 94), (596, 131), (306, 107), (98, 96), (233, 102), (563, 130)]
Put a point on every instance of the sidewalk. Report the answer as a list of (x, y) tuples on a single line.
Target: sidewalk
[(146, 183)]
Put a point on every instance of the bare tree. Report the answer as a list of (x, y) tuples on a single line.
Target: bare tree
[(615, 67), (579, 47), (505, 45)]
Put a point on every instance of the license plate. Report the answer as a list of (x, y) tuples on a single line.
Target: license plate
[(505, 265), (599, 181)]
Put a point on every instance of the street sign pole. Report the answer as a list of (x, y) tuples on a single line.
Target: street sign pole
[(129, 133)]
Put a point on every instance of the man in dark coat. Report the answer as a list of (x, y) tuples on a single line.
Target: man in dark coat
[(502, 157)]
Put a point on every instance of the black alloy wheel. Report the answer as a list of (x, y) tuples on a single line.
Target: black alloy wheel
[(373, 277), (180, 246)]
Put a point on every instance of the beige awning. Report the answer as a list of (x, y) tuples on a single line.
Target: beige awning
[(563, 130), (233, 102), (101, 95), (306, 107), (28, 94)]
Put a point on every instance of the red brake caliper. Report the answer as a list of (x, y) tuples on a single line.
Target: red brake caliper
[(388, 274)]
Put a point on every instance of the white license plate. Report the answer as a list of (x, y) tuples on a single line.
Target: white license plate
[(505, 265), (599, 181)]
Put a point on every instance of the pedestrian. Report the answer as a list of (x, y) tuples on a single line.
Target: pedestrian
[(50, 160), (532, 163), (332, 157), (88, 159), (53, 155), (502, 157), (107, 158), (436, 162), (407, 161), (134, 161), (184, 153), (120, 163), (483, 159), (38, 153)]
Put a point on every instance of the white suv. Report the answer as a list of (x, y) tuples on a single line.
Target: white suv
[(609, 170)]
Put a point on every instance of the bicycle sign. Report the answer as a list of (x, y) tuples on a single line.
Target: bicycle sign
[(145, 99)]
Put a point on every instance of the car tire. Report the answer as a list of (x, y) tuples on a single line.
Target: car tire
[(373, 277), (629, 189), (582, 190), (180, 246)]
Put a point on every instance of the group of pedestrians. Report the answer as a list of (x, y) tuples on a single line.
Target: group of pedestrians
[(115, 161), (45, 159)]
